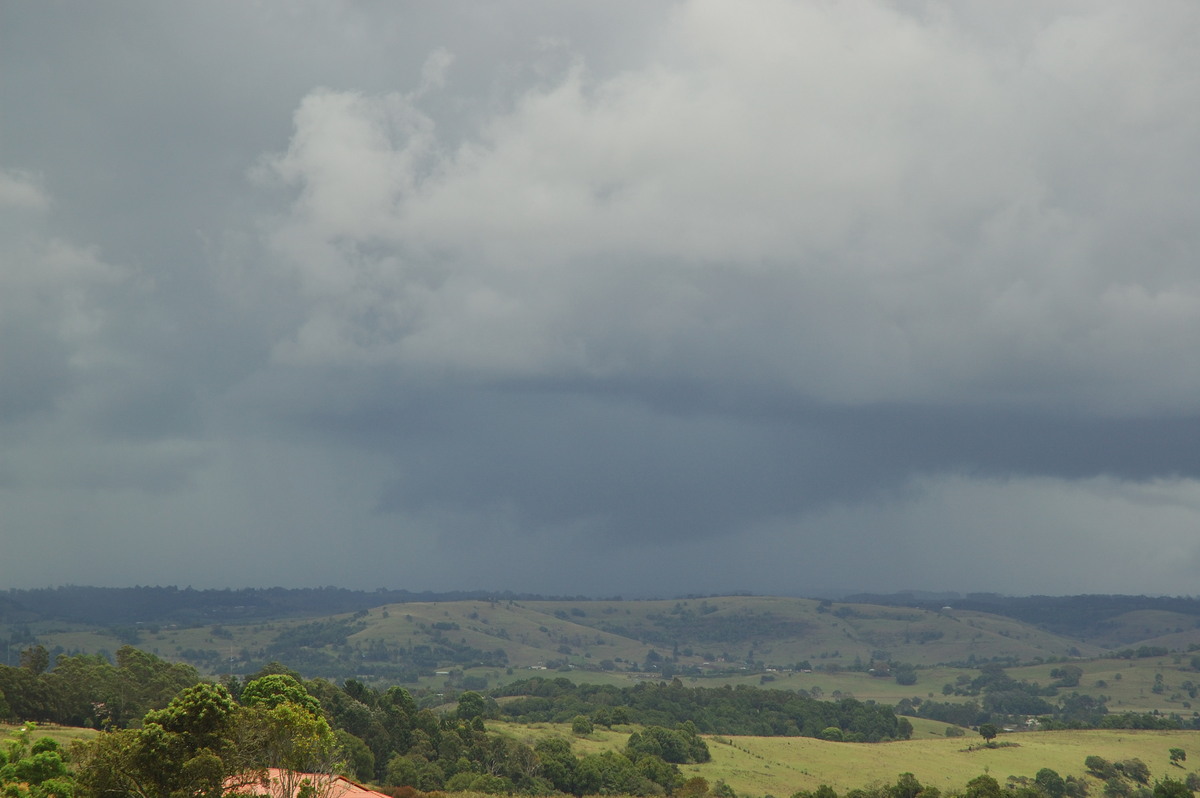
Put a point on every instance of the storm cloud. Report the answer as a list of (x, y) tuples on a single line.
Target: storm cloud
[(641, 298)]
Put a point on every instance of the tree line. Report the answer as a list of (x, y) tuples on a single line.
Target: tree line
[(741, 710)]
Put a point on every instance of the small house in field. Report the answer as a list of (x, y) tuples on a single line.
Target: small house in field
[(279, 783)]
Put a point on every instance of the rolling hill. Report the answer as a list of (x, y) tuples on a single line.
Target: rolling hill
[(800, 643)]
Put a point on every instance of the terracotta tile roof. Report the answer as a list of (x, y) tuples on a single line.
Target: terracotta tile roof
[(277, 781)]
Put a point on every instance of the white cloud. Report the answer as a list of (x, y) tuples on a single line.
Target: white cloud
[(855, 204)]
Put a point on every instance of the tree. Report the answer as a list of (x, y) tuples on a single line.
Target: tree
[(1067, 676), (203, 744), (35, 659), (906, 786), (147, 763), (1051, 783), (359, 757), (1135, 769), (277, 688), (1171, 788), (682, 745), (1100, 767), (203, 715), (186, 748), (290, 737), (581, 725), (33, 770), (471, 705), (1178, 755), (988, 732), (1116, 788), (982, 787)]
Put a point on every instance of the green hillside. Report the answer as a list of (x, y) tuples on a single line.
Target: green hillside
[(780, 766), (695, 637), (827, 648)]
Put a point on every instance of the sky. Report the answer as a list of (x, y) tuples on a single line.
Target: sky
[(612, 298)]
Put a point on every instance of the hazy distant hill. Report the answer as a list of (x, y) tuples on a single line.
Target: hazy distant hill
[(399, 637), (1106, 620)]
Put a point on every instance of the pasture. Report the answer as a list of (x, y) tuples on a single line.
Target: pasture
[(780, 766)]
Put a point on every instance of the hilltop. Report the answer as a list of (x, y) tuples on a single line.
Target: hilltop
[(478, 641)]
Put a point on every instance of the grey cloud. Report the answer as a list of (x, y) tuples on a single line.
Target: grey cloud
[(518, 289)]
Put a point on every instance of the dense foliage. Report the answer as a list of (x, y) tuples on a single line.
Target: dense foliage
[(88, 690), (210, 738), (713, 710)]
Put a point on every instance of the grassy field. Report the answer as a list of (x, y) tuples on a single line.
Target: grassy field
[(62, 734), (1129, 683), (779, 766)]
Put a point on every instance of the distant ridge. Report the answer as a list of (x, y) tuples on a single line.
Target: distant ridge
[(1074, 615), (145, 604)]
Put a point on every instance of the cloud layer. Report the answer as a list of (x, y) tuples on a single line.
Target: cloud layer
[(864, 295)]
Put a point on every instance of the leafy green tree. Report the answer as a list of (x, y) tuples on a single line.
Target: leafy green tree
[(277, 688), (656, 771), (203, 715), (723, 790), (28, 696), (1116, 787), (982, 787), (402, 771), (581, 725), (1135, 769), (1050, 783), (1067, 676), (359, 757), (290, 736), (1100, 767), (34, 770), (1075, 787), (559, 765), (681, 746), (471, 705), (1171, 788), (906, 786), (202, 744), (988, 732), (1177, 755), (150, 762), (35, 659), (145, 682)]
